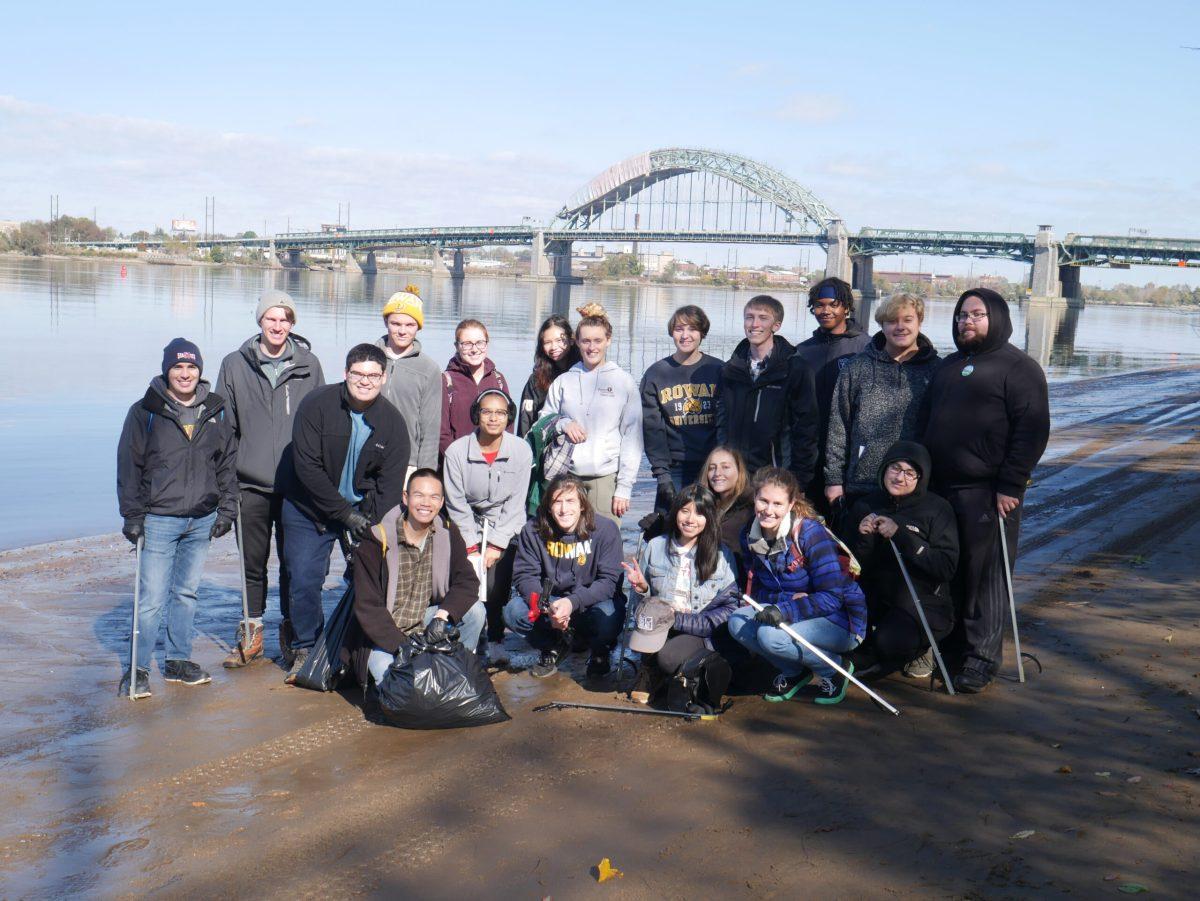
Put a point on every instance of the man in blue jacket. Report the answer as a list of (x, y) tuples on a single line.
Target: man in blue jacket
[(345, 468), (177, 490)]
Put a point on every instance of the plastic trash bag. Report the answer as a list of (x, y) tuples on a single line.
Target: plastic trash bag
[(324, 668), (442, 686)]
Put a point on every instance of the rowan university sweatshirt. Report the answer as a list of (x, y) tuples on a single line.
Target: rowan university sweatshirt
[(679, 411), (605, 401)]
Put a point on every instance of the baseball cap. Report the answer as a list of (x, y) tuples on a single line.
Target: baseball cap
[(655, 618)]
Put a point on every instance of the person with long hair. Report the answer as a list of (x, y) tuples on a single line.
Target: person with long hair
[(802, 577), (604, 407), (469, 373), (724, 474), (567, 574), (688, 571), (554, 353)]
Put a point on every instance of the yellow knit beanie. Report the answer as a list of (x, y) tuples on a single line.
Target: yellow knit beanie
[(407, 302)]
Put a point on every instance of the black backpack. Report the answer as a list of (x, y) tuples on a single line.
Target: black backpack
[(700, 684)]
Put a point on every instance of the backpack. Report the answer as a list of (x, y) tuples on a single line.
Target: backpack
[(700, 684)]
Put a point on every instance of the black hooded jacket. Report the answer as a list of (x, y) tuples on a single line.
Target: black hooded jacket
[(161, 470), (987, 410), (773, 420), (828, 354), (927, 539)]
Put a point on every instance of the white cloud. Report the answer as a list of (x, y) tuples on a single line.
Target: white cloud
[(750, 70), (811, 108)]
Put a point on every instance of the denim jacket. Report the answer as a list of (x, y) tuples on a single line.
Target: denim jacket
[(711, 602)]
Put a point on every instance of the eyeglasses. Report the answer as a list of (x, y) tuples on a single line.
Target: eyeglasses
[(973, 316), (472, 345), (368, 378), (493, 414), (909, 475)]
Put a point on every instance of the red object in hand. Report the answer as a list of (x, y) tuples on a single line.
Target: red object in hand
[(535, 609)]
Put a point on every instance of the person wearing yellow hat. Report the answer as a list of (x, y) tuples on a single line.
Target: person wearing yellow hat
[(413, 383)]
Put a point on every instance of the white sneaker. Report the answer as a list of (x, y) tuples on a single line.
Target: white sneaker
[(920, 667)]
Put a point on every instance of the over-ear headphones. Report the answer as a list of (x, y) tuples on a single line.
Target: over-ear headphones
[(475, 407)]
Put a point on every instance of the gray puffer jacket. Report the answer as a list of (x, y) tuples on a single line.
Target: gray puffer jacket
[(414, 387), (476, 489), (262, 415), (875, 404)]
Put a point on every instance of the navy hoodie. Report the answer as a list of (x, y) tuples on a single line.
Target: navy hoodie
[(587, 571), (987, 410), (679, 412)]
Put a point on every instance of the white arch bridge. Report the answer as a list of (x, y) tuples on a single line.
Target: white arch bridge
[(690, 195)]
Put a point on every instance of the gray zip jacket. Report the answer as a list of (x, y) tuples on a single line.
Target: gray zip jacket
[(414, 387), (875, 404), (262, 416), (475, 490)]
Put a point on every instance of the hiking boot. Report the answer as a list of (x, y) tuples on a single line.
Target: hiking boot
[(644, 685), (547, 664), (919, 667), (971, 682), (785, 687), (286, 636), (832, 691), (186, 672), (245, 651), (299, 658), (598, 665), (141, 688)]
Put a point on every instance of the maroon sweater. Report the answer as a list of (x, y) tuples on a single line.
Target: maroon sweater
[(459, 392)]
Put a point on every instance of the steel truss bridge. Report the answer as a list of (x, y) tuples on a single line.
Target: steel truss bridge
[(688, 195)]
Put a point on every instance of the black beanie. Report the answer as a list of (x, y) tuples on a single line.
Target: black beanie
[(181, 350)]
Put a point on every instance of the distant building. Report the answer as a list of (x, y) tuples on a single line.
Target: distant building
[(655, 263), (8, 226), (926, 280)]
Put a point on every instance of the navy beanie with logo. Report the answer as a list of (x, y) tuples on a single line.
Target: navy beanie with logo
[(181, 350)]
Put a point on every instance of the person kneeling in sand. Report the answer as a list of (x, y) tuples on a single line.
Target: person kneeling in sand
[(411, 571)]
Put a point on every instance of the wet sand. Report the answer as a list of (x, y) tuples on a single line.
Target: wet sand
[(1082, 780)]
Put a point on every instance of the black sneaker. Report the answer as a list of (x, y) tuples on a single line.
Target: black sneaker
[(785, 687), (971, 682), (299, 658), (286, 636), (833, 691), (598, 665), (141, 688), (186, 672), (547, 664)]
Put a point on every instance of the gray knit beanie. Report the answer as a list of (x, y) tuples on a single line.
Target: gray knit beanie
[(274, 298)]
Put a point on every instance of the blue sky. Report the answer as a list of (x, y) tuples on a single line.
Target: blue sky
[(950, 115)]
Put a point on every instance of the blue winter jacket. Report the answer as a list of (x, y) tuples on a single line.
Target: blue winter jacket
[(809, 565), (712, 601)]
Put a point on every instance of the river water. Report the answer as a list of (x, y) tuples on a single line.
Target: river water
[(79, 342)]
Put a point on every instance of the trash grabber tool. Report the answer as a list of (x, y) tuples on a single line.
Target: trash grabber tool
[(563, 705), (137, 597), (628, 625), (804, 642), (1012, 601), (937, 654), (483, 563), (245, 591)]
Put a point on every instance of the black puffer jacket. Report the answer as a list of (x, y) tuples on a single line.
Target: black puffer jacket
[(773, 420), (161, 471), (987, 409), (927, 539)]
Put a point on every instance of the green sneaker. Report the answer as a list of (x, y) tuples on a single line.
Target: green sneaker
[(832, 691), (785, 687)]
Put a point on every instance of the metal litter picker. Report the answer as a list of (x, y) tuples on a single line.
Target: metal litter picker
[(937, 655), (137, 597), (1012, 601)]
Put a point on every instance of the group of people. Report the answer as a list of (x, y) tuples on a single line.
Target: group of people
[(804, 477)]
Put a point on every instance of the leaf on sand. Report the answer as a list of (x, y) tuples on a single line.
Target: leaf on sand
[(1134, 780), (1024, 833), (1065, 770), (1132, 888), (1112, 877), (606, 871), (199, 804), (1105, 773), (1056, 745)]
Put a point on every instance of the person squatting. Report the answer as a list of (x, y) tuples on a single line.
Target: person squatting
[(821, 480)]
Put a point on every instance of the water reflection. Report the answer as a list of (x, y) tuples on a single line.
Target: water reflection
[(1050, 333)]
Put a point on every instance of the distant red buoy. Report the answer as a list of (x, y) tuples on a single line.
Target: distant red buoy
[(124, 271)]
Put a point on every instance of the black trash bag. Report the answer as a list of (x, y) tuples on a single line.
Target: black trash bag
[(442, 686), (324, 668)]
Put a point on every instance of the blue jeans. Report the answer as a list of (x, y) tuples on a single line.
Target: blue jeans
[(306, 554), (785, 653), (598, 625), (172, 562), (469, 631)]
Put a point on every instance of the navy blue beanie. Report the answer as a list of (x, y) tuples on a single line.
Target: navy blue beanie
[(181, 350)]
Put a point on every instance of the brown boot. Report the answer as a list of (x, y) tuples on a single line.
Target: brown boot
[(245, 651)]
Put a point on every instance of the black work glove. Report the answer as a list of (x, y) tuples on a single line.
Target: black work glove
[(221, 527), (357, 525), (133, 529), (770, 615), (440, 630), (665, 495)]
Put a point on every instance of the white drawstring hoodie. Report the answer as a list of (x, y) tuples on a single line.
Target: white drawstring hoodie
[(606, 402)]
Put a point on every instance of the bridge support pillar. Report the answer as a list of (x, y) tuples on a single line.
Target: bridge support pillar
[(1044, 286), (459, 269), (294, 261), (837, 260), (541, 267), (273, 257), (1072, 290), (440, 269), (864, 277), (351, 264)]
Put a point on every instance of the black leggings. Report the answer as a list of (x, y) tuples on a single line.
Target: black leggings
[(499, 588), (895, 638)]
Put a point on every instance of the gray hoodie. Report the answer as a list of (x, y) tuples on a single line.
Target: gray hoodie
[(496, 492), (263, 414), (607, 402), (875, 404), (414, 387)]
